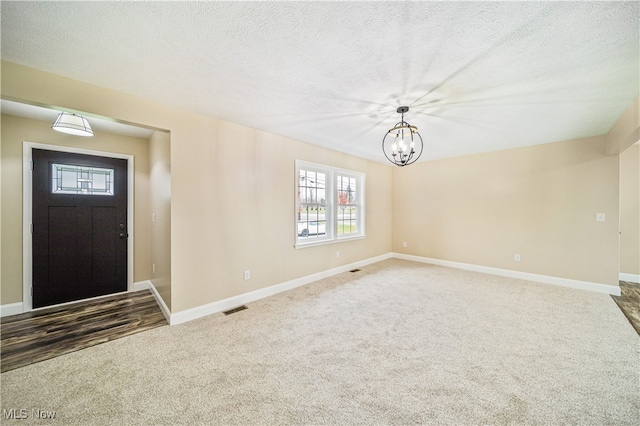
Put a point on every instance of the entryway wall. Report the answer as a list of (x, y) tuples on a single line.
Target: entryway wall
[(630, 214), (160, 207), (15, 130)]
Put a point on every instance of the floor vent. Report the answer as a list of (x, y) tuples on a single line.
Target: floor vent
[(355, 270), (234, 310)]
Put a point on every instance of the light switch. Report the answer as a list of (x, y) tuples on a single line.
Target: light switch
[(600, 217)]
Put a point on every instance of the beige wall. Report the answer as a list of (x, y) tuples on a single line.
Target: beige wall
[(620, 140), (14, 131), (539, 202), (160, 206), (630, 210), (238, 210), (232, 204)]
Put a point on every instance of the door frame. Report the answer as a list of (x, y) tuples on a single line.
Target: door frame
[(27, 205)]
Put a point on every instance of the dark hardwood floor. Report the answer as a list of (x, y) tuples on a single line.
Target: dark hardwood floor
[(629, 302), (39, 335)]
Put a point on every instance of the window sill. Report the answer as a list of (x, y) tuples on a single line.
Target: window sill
[(325, 242)]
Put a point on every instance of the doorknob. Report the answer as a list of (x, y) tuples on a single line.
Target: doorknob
[(123, 235), (121, 226)]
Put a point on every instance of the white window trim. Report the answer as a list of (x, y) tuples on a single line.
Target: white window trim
[(332, 204)]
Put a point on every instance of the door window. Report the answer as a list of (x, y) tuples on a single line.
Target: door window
[(81, 180)]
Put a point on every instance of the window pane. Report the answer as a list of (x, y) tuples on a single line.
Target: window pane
[(68, 179), (351, 191), (347, 188), (347, 212), (310, 181), (312, 222), (322, 213), (312, 214), (347, 220), (99, 181)]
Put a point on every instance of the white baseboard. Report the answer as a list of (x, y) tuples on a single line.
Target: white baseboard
[(142, 285), (634, 278), (10, 309), (564, 282), (241, 299), (163, 306), (235, 301)]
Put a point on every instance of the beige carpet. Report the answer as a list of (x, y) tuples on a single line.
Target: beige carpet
[(396, 343)]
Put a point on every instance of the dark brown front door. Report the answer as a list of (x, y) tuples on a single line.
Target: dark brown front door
[(79, 227)]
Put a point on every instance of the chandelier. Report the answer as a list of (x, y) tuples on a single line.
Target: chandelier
[(402, 145)]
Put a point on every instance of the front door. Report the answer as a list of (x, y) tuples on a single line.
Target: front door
[(79, 226)]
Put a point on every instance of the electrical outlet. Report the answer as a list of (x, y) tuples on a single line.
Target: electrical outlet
[(404, 244), (153, 217), (247, 274), (153, 268), (516, 257), (337, 255)]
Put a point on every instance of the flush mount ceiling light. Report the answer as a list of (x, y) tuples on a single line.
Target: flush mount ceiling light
[(402, 145), (72, 124)]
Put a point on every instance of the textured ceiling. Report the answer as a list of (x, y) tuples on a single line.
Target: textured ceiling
[(477, 77)]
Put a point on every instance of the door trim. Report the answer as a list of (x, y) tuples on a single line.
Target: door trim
[(27, 194)]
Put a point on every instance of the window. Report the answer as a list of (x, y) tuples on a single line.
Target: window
[(329, 204), (81, 180), (347, 217)]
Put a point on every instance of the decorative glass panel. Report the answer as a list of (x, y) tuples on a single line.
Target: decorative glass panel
[(81, 180)]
